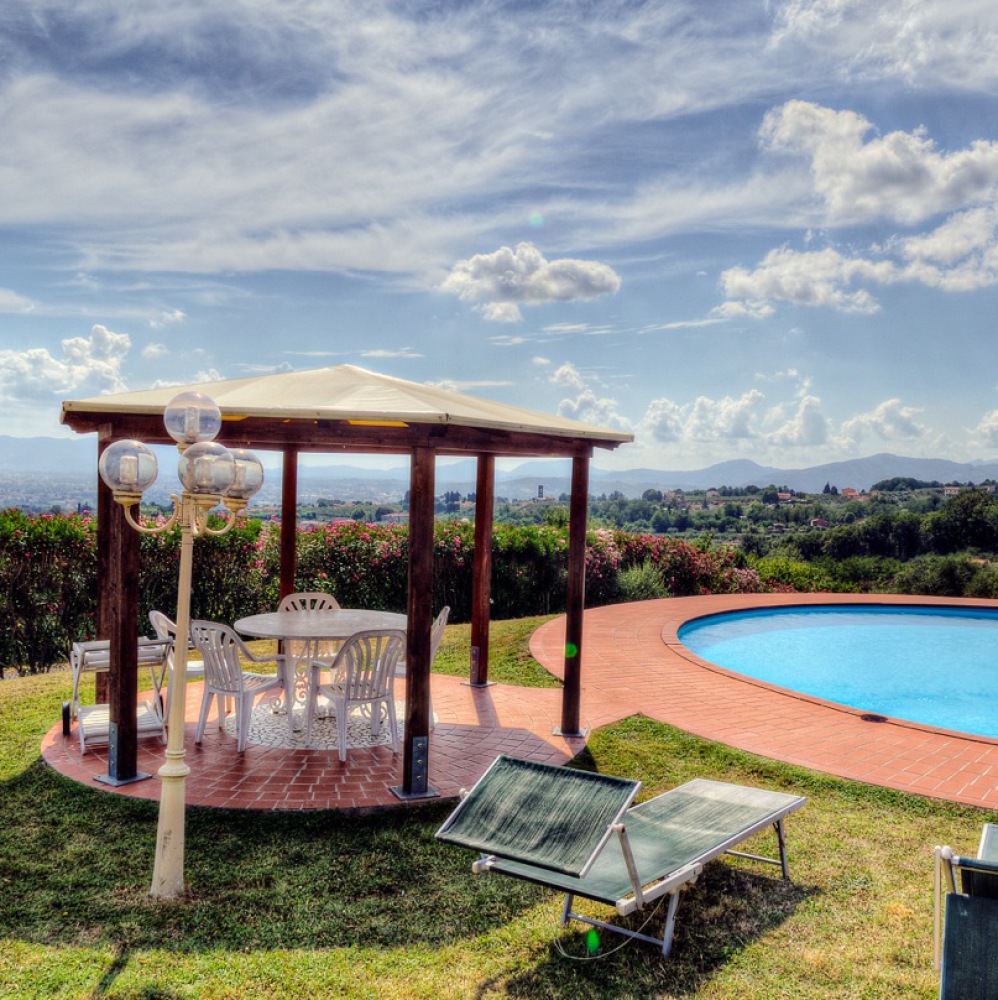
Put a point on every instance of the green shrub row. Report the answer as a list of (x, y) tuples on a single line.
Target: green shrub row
[(48, 573)]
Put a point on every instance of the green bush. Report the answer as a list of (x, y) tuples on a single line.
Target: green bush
[(642, 583)]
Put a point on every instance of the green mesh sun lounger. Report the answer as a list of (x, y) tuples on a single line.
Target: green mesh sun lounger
[(577, 832)]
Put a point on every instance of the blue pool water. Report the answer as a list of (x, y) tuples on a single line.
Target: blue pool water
[(934, 665)]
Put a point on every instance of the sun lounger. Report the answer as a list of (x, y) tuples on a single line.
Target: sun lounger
[(577, 832)]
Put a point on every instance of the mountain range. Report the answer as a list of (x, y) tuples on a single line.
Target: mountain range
[(71, 459)]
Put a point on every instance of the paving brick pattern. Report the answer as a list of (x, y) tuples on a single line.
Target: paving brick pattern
[(632, 662)]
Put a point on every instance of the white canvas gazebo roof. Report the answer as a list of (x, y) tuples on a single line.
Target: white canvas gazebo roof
[(339, 395)]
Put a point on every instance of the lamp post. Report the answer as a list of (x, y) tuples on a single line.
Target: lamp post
[(211, 475)]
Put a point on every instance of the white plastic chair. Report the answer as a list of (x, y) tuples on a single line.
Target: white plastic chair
[(436, 634), (313, 600), (166, 628), (224, 677), (362, 676)]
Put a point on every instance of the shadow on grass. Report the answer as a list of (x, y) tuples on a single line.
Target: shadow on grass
[(728, 909), (81, 863)]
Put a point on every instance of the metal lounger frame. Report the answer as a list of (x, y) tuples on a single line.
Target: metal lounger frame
[(623, 859)]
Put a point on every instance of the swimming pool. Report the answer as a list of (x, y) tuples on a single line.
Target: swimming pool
[(933, 665)]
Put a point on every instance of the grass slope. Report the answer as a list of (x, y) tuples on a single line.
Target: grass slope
[(321, 905)]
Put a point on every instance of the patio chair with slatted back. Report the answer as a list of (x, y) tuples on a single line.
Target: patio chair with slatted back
[(166, 628), (361, 676), (224, 677), (436, 634), (312, 600)]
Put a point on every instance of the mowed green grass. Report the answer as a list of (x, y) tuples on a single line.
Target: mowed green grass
[(323, 905)]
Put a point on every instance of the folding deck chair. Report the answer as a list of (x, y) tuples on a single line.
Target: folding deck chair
[(577, 832), (965, 949)]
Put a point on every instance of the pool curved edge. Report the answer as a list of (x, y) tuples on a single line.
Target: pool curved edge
[(730, 604)]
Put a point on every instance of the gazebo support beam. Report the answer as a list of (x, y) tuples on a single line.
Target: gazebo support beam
[(481, 586), (289, 522), (576, 599), (415, 760), (123, 736)]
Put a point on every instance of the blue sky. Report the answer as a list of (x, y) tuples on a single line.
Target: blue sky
[(739, 229)]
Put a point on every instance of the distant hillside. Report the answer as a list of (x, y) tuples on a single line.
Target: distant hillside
[(72, 458)]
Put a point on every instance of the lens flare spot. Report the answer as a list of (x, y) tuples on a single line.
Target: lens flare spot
[(571, 650), (536, 219)]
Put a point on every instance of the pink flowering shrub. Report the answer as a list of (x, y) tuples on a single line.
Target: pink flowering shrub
[(48, 570)]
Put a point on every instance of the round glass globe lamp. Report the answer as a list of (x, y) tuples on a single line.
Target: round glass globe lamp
[(206, 468), (127, 467), (249, 475), (192, 417)]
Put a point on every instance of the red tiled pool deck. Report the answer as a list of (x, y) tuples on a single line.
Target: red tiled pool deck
[(632, 663)]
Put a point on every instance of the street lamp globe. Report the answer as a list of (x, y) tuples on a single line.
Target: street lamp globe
[(206, 468), (248, 478), (128, 468), (191, 417)]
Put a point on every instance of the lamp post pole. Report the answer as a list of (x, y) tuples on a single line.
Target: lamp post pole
[(211, 476), (168, 869)]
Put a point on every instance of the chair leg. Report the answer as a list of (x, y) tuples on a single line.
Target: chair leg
[(341, 728), (244, 709), (311, 703), (393, 723), (203, 717)]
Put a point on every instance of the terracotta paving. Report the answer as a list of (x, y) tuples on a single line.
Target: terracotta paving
[(632, 662)]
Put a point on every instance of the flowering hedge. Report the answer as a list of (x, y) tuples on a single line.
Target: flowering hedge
[(48, 568)]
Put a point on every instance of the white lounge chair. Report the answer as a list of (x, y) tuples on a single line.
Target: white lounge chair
[(94, 721)]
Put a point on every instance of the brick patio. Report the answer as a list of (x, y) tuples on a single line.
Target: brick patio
[(633, 663)]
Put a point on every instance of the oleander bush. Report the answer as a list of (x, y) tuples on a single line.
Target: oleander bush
[(48, 573)]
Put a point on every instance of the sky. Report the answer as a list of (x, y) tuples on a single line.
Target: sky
[(761, 229)]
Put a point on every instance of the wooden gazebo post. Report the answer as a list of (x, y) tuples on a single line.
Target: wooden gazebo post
[(416, 748), (481, 585), (289, 522), (576, 598)]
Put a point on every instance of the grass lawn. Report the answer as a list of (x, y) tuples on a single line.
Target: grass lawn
[(322, 905)]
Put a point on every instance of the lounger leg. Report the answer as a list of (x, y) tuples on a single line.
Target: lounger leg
[(670, 923), (782, 841), (566, 908)]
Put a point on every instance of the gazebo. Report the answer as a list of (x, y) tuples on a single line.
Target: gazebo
[(346, 409)]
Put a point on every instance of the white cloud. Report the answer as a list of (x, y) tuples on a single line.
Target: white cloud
[(806, 428), (540, 362), (601, 411), (167, 318), (568, 375), (384, 352), (890, 421), (501, 312), (509, 278), (155, 352), (899, 176), (987, 429), (88, 366), (813, 278), (11, 302)]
